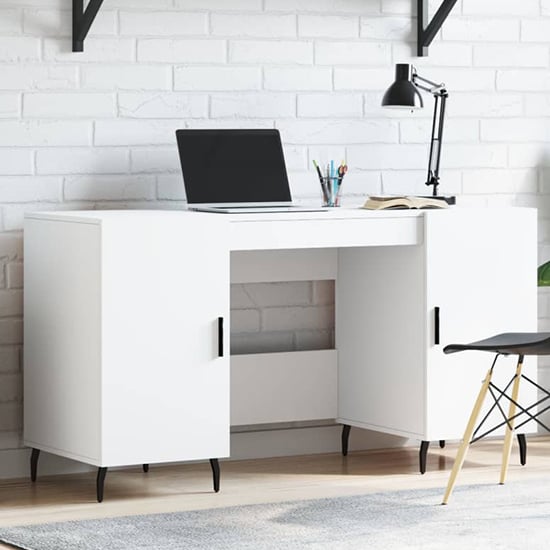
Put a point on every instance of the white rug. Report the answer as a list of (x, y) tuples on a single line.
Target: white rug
[(481, 517)]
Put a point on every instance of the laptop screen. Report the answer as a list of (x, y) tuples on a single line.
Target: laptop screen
[(233, 166)]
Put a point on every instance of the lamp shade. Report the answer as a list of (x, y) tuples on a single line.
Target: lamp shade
[(403, 94)]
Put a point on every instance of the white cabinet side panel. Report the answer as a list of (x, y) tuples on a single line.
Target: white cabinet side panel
[(62, 338), (380, 338), (482, 275), (165, 390)]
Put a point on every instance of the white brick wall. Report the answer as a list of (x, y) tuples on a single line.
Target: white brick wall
[(96, 129)]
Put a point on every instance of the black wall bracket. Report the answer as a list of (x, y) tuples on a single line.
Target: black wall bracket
[(82, 21), (428, 30)]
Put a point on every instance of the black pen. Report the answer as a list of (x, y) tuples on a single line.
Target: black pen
[(323, 186)]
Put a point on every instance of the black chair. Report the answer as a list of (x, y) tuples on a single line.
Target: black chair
[(513, 343)]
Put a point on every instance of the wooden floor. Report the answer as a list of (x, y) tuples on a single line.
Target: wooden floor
[(188, 487)]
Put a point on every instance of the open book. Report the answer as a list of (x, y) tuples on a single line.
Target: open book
[(382, 202)]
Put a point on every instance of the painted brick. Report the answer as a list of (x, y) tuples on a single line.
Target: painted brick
[(527, 155), (68, 105), (170, 187), (11, 387), (15, 49), (393, 157), (11, 331), (500, 181), (442, 54), (352, 53), (14, 162), (263, 295), (515, 130), (136, 132), (11, 21), (537, 105), (295, 157), (98, 50), (331, 26), (36, 133), (297, 318), (323, 293), (508, 7), (245, 320), (11, 245), (268, 51), (9, 105), (517, 55), (11, 417), (474, 155), (330, 105), (413, 182), (14, 275), (39, 77), (362, 79), (9, 359), (481, 30), (56, 23), (525, 81), (11, 303), (266, 105), (535, 30), (314, 339), (485, 105), (248, 5), (254, 25), (166, 50), (463, 80), (339, 132), (82, 161), (388, 28), (456, 130), (322, 6), (217, 78), (298, 78), (360, 183), (162, 105), (99, 188), (154, 159), (21, 189), (163, 23), (126, 77)]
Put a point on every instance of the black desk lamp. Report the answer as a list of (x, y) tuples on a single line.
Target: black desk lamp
[(404, 94)]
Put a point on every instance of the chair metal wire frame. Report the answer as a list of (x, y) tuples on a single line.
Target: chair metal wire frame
[(522, 410)]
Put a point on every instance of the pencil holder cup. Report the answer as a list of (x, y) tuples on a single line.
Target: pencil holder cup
[(330, 187)]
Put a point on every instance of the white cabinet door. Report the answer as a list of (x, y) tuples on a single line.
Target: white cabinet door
[(481, 274), (165, 373)]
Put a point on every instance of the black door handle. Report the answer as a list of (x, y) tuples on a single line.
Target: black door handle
[(436, 325), (220, 336)]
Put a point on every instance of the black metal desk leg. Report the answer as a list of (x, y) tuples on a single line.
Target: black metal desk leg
[(345, 439), (100, 482), (214, 464), (522, 449), (34, 463), (422, 455)]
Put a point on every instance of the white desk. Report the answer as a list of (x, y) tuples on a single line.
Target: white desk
[(122, 308)]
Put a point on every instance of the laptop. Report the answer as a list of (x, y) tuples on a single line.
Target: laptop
[(235, 171)]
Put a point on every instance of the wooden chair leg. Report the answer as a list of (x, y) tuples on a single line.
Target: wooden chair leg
[(510, 426), (461, 455)]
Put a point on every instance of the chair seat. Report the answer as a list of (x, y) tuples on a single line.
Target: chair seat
[(507, 343)]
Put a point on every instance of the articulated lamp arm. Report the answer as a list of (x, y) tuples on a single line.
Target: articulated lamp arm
[(440, 98)]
